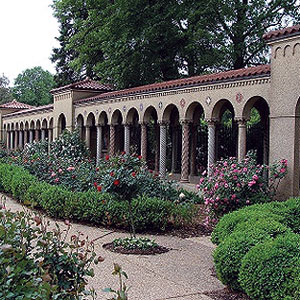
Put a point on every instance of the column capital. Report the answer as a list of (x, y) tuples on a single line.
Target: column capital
[(163, 123), (185, 122), (212, 121), (241, 121)]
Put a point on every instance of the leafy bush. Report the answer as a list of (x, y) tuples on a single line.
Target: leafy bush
[(229, 254), (270, 270), (93, 206), (40, 264), (235, 184), (229, 222)]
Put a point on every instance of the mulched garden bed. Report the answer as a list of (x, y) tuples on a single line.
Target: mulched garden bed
[(226, 294), (152, 251)]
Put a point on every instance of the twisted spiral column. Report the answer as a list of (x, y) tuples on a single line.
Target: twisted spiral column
[(193, 151), (25, 137), (127, 138), (112, 140), (36, 135), (157, 147), (185, 151), (242, 134), (174, 149), (211, 144), (99, 142), (144, 141), (163, 149), (43, 134)]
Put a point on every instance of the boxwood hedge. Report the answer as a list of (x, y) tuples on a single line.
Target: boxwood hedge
[(92, 206)]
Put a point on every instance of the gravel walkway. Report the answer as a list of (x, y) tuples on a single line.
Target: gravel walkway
[(183, 273)]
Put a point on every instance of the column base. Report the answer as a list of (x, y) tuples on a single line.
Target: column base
[(184, 180)]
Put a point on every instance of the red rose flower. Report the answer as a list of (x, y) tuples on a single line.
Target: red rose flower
[(123, 153), (95, 184), (140, 157), (97, 169), (116, 182), (112, 174), (99, 188), (133, 174), (106, 157)]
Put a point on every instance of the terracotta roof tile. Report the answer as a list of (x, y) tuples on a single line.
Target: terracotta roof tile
[(282, 32), (16, 105), (86, 84), (32, 109), (173, 84)]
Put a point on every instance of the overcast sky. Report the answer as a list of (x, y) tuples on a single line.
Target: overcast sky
[(28, 32)]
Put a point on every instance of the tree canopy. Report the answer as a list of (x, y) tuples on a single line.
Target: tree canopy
[(134, 42), (33, 86), (5, 92)]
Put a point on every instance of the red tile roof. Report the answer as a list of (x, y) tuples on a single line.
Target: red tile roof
[(86, 84), (32, 109), (191, 81), (282, 32), (15, 105)]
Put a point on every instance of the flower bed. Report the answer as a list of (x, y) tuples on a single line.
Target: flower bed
[(92, 206), (258, 250)]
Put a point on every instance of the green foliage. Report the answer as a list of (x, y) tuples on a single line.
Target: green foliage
[(97, 207), (5, 91), (135, 243), (270, 270), (33, 86), (40, 264), (134, 42), (122, 292), (229, 254), (229, 222)]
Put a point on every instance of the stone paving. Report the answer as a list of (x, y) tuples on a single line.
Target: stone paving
[(183, 273)]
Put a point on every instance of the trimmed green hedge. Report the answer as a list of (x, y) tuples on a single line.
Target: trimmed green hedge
[(259, 250), (92, 206)]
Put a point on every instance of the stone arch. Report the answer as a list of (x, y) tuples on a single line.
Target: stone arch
[(116, 117), (61, 123), (16, 126), (169, 112), (44, 124), (103, 122), (91, 134), (132, 116), (296, 48), (226, 143), (150, 118), (287, 50), (32, 125), (256, 112), (278, 52), (38, 124), (198, 138), (103, 118), (117, 123), (22, 127), (80, 126), (26, 125), (132, 120), (51, 123)]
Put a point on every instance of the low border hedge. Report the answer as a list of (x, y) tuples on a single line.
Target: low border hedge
[(259, 250), (92, 206)]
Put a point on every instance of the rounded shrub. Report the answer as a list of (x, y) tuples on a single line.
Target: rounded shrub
[(229, 254), (270, 270), (228, 223)]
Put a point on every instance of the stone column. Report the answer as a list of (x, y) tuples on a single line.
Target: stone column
[(99, 142), (174, 148), (162, 148), (36, 135), (211, 144), (112, 139), (185, 151), (266, 142), (88, 136), (11, 145), (127, 138), (157, 146), (16, 140), (50, 135), (43, 134), (144, 141), (242, 135), (31, 136), (25, 137), (193, 150), (20, 139), (7, 140)]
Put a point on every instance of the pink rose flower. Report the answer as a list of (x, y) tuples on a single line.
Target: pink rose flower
[(282, 170), (60, 171), (53, 174), (70, 168), (251, 183), (255, 177), (56, 180)]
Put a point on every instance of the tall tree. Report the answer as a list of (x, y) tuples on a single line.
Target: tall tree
[(5, 92), (135, 42), (33, 86), (240, 25)]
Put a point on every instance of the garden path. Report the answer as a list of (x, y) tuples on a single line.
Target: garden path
[(183, 273)]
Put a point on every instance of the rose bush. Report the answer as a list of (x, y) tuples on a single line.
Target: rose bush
[(233, 184)]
